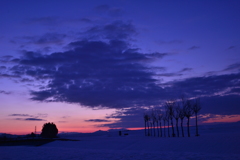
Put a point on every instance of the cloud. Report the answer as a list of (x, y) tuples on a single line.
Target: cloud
[(111, 11), (37, 117), (174, 74), (128, 118), (117, 30), (21, 115), (193, 48), (43, 115), (100, 73), (97, 120), (4, 92), (34, 119), (29, 119), (86, 20), (47, 38), (221, 105), (64, 117), (102, 8), (4, 75), (107, 72), (235, 90), (49, 20), (235, 66), (175, 41), (186, 70), (169, 74), (54, 21), (208, 85), (62, 121), (94, 73), (7, 59), (231, 47)]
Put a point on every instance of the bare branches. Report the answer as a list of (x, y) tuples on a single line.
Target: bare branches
[(196, 107)]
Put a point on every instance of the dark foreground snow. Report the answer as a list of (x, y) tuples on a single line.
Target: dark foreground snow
[(214, 143)]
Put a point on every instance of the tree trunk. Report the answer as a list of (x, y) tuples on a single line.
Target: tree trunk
[(164, 128), (161, 128), (188, 126), (177, 127), (158, 129), (151, 128), (196, 126), (168, 129), (148, 129), (154, 131), (173, 134), (182, 127), (145, 128)]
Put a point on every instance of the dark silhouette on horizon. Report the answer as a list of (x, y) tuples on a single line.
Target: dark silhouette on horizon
[(174, 109), (49, 130)]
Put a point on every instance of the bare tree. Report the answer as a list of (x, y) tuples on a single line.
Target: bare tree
[(170, 110), (196, 108), (181, 116), (145, 116), (176, 115), (154, 120), (165, 119), (160, 117), (188, 112), (151, 128), (182, 112)]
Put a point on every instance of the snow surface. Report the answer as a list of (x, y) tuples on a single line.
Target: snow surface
[(215, 142)]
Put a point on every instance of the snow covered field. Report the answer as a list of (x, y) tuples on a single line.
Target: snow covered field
[(216, 142)]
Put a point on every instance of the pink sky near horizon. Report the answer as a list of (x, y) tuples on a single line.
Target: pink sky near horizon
[(16, 127)]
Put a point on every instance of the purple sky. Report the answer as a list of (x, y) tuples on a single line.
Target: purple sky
[(99, 64)]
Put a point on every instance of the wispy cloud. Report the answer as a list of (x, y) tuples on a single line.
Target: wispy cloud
[(97, 120), (49, 20), (231, 47), (175, 41), (62, 121), (29, 119), (235, 66), (4, 92), (193, 48), (47, 38), (37, 117), (21, 115), (111, 11), (117, 30)]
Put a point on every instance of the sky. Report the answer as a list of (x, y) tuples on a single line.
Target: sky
[(100, 65)]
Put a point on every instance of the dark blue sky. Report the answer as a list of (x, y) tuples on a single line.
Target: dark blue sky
[(102, 63)]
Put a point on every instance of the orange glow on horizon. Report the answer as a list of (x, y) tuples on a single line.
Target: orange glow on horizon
[(223, 118)]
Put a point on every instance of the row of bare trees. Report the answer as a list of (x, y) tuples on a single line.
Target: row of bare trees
[(174, 110)]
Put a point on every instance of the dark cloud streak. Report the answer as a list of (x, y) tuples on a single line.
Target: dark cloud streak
[(97, 120), (193, 48), (29, 119)]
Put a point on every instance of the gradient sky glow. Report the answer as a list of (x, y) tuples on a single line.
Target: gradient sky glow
[(91, 65)]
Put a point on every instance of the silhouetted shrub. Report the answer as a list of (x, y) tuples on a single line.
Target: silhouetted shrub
[(49, 130)]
